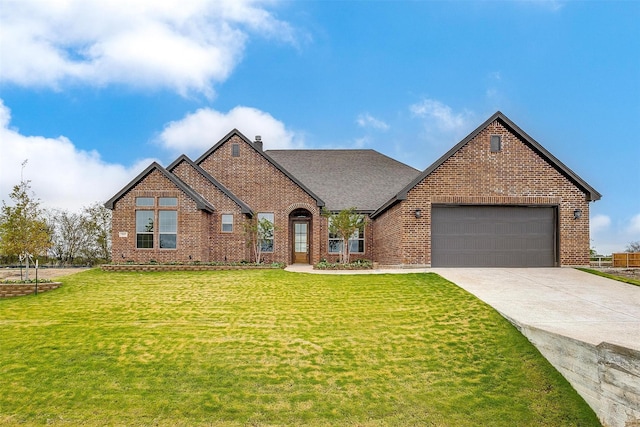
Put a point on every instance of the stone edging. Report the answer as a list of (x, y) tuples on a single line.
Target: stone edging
[(8, 290)]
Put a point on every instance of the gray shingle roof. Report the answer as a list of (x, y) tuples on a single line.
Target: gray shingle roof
[(364, 179)]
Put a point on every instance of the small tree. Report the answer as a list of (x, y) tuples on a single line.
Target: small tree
[(633, 247), (344, 225), (69, 235), (23, 228), (259, 235), (98, 224)]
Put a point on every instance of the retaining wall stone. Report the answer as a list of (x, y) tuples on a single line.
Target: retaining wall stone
[(8, 290), (607, 376)]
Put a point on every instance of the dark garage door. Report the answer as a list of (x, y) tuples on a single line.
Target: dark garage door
[(493, 236)]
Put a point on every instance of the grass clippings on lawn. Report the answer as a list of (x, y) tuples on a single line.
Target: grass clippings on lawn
[(271, 348)]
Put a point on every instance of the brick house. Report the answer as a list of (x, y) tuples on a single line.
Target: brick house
[(497, 198)]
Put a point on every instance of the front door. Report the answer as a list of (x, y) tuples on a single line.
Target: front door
[(300, 242)]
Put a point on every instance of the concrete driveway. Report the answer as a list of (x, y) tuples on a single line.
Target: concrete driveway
[(565, 301)]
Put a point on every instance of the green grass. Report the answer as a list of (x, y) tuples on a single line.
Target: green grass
[(611, 276), (271, 348)]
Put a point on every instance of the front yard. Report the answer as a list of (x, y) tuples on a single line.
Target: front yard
[(271, 348)]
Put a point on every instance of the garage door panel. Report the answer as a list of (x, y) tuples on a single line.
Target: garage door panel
[(493, 236)]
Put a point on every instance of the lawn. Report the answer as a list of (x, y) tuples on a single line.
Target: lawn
[(624, 276), (268, 348)]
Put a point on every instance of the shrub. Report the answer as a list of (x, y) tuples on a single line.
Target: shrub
[(358, 264)]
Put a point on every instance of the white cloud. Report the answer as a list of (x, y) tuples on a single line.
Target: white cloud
[(183, 45), (634, 225), (599, 222), (367, 120), (199, 131), (61, 175), (613, 235), (441, 124)]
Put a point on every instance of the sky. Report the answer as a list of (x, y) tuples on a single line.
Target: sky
[(93, 91)]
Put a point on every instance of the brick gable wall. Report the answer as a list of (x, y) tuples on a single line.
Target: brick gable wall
[(222, 246), (474, 175), (265, 189), (192, 224)]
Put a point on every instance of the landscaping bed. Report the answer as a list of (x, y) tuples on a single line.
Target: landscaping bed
[(8, 290), (359, 264), (190, 267)]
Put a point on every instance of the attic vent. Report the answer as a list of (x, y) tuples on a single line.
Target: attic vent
[(496, 143), (235, 150)]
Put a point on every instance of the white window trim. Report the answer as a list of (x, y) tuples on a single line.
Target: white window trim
[(160, 232), (146, 233), (223, 223), (272, 239), (351, 239)]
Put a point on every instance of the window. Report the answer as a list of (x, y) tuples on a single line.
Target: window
[(266, 232), (227, 223), (235, 150), (144, 229), (168, 201), (168, 228), (356, 242), (496, 143), (145, 201)]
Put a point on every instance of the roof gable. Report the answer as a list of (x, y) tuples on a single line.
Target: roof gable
[(201, 203), (244, 208), (236, 132), (590, 192)]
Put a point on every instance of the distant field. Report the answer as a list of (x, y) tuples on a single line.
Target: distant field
[(271, 348)]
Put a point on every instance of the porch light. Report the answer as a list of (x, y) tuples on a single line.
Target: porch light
[(418, 213), (577, 214)]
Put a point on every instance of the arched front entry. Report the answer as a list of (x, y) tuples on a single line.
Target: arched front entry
[(300, 236)]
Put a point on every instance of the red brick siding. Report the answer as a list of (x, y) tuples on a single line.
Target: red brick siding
[(222, 246), (265, 189), (388, 237), (474, 175), (191, 233)]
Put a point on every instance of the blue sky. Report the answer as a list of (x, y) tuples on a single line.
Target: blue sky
[(92, 91)]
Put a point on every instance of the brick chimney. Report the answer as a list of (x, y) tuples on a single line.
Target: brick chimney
[(258, 143)]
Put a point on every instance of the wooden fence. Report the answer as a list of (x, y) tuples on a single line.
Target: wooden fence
[(627, 260)]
